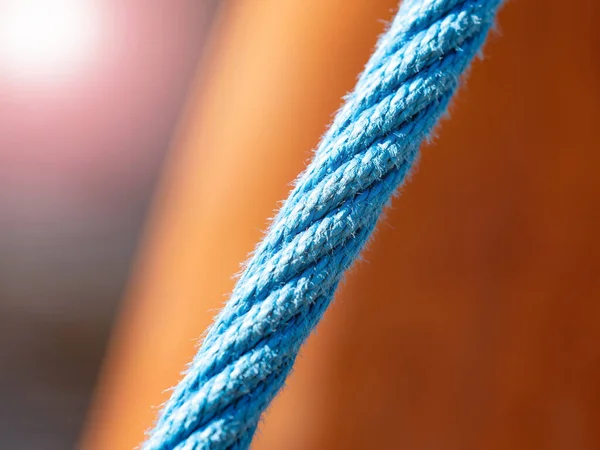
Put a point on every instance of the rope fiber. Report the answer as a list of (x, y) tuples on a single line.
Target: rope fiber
[(321, 228)]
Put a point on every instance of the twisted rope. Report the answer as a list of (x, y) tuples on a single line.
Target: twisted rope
[(323, 225)]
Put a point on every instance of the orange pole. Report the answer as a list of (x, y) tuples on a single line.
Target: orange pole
[(276, 76)]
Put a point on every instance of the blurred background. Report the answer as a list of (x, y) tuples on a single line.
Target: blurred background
[(90, 92), (144, 145)]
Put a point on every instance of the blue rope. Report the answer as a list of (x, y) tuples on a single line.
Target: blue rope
[(321, 228)]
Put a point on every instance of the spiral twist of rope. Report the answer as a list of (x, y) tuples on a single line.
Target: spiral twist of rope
[(323, 225)]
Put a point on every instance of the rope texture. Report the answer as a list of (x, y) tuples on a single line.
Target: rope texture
[(323, 225)]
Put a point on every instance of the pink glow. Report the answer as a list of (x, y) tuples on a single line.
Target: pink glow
[(47, 38), (88, 127)]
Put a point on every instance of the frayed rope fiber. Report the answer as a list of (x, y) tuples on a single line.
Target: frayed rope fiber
[(323, 225)]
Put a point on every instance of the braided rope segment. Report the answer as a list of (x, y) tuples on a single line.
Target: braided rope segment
[(323, 225)]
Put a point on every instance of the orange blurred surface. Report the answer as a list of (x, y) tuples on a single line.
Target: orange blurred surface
[(275, 77), (473, 322)]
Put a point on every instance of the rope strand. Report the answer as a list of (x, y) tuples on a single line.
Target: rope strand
[(323, 225)]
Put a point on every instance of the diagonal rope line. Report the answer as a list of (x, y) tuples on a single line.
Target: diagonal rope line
[(327, 219)]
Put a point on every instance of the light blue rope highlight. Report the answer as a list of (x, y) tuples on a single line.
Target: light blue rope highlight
[(323, 225)]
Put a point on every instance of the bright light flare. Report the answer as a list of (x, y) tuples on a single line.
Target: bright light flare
[(42, 38)]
